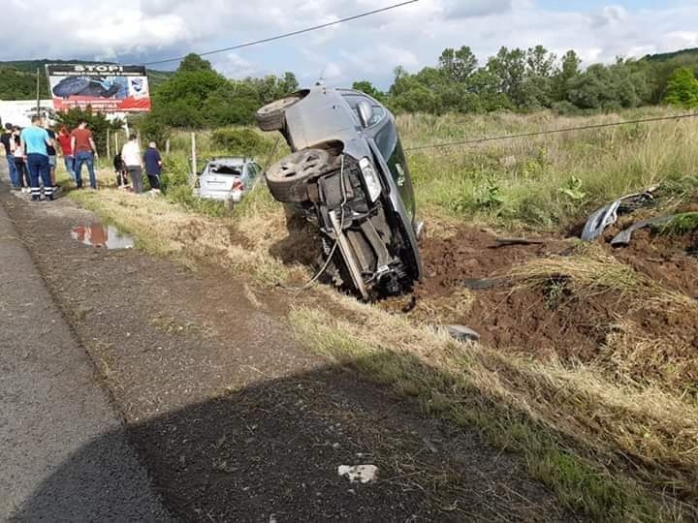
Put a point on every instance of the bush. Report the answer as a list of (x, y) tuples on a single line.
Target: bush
[(97, 123), (566, 108), (153, 131), (242, 142)]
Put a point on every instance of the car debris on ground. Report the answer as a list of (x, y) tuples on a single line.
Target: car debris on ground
[(623, 239), (512, 242), (359, 473), (607, 215), (462, 333)]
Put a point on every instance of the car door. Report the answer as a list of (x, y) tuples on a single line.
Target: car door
[(251, 175)]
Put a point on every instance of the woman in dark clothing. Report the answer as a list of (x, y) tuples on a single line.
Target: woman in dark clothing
[(153, 166)]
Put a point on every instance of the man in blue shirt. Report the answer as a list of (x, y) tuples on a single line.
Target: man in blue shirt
[(153, 166), (35, 142)]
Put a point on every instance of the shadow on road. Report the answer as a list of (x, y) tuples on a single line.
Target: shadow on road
[(271, 452)]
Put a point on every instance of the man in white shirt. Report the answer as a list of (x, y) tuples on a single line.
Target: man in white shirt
[(131, 156)]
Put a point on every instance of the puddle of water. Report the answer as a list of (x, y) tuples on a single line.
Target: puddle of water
[(97, 235)]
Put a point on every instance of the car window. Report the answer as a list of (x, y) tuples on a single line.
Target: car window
[(252, 170), (377, 111), (234, 170)]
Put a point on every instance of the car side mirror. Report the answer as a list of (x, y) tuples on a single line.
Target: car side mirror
[(365, 113)]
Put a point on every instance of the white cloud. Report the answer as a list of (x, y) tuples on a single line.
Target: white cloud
[(412, 36), (471, 8), (233, 65)]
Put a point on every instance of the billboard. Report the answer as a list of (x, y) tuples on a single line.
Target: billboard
[(107, 88)]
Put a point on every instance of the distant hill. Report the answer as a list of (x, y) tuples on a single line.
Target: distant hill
[(666, 57), (18, 78)]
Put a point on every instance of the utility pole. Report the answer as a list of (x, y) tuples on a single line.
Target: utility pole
[(38, 92)]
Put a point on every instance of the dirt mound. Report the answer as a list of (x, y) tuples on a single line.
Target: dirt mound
[(664, 259), (471, 254), (550, 320)]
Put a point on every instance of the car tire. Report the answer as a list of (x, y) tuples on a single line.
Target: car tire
[(272, 117), (287, 179)]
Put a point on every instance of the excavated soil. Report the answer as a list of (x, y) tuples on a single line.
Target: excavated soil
[(550, 320), (666, 259)]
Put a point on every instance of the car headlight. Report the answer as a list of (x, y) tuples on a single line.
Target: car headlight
[(373, 183)]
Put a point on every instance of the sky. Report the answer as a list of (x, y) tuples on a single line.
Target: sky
[(139, 31)]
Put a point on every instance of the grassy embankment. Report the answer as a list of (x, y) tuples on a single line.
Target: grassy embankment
[(615, 437)]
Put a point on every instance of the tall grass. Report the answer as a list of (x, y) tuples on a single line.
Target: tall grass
[(546, 181)]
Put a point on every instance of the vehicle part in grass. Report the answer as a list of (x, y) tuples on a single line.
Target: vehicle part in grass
[(287, 179), (272, 117), (484, 284), (420, 230), (623, 239), (608, 214), (510, 242), (358, 473), (462, 333)]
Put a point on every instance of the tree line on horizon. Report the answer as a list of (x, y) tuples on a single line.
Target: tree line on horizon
[(197, 96), (535, 79)]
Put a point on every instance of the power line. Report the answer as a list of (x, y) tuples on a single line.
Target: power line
[(292, 33), (551, 131)]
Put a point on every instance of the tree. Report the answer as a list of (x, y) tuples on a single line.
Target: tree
[(510, 67), (569, 70), (367, 87), (457, 66), (682, 89), (193, 63), (97, 123)]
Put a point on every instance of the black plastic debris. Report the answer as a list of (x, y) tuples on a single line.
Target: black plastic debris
[(623, 239)]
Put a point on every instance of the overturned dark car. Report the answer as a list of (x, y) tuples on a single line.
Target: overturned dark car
[(348, 176)]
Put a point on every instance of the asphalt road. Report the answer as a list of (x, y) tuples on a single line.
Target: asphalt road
[(63, 453)]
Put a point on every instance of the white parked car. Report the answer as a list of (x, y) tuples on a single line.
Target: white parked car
[(227, 179)]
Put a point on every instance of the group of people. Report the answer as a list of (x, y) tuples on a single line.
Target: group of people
[(31, 155), (129, 166)]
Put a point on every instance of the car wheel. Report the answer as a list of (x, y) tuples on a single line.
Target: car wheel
[(287, 179), (272, 116)]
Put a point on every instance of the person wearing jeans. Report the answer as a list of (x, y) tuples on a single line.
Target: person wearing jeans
[(8, 143), (35, 142), (84, 158), (64, 140), (83, 146)]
